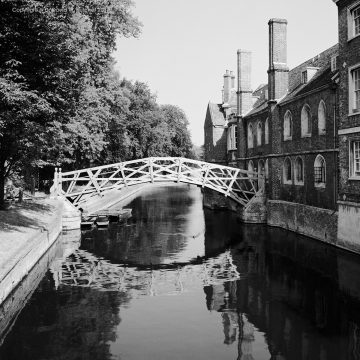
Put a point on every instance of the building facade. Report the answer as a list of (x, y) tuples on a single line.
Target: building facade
[(302, 131), (349, 121)]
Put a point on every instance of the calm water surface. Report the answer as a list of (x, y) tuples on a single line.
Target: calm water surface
[(178, 282)]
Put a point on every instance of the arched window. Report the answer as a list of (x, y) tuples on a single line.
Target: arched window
[(250, 136), (320, 171), (267, 168), (267, 131), (299, 171), (322, 118), (251, 168), (305, 121), (287, 172), (261, 172), (258, 134), (288, 126)]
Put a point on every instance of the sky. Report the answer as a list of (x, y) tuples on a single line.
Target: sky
[(187, 45)]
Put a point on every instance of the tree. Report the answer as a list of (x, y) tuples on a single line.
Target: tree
[(55, 79), (177, 123)]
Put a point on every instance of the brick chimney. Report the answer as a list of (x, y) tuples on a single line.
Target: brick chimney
[(227, 87), (244, 92), (232, 79), (278, 73)]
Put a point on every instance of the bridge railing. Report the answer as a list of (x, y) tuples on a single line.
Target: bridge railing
[(78, 185)]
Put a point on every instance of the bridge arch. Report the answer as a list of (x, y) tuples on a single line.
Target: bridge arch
[(79, 185)]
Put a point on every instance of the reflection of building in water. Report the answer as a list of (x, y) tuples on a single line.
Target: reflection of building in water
[(295, 292), (236, 326)]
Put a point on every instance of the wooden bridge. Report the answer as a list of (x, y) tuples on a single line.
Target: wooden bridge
[(79, 185)]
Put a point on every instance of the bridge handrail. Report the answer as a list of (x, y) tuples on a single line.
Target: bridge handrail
[(128, 162), (239, 184)]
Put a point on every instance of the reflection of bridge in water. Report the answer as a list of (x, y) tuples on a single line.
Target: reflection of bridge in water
[(87, 270)]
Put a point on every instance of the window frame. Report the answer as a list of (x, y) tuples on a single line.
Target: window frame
[(266, 131), (304, 77), (352, 171), (351, 21), (236, 132), (286, 180), (259, 133), (322, 104), (306, 108), (296, 181), (250, 136), (320, 184), (252, 170), (288, 116), (352, 109)]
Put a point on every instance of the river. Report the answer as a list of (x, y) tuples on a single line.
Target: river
[(180, 282)]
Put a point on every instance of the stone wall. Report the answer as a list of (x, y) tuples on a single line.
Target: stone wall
[(311, 221), (349, 225)]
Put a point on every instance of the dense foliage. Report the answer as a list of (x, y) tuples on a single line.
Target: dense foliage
[(61, 103)]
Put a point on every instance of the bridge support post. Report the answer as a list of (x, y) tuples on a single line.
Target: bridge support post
[(59, 184), (256, 211)]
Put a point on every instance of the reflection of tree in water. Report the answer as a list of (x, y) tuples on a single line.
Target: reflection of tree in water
[(73, 323), (303, 295), (153, 234)]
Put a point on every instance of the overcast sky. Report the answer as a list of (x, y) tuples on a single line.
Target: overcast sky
[(186, 45)]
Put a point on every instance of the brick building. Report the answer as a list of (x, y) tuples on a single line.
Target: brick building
[(349, 121), (221, 124), (302, 130)]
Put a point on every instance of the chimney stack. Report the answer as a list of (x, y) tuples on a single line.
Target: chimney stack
[(278, 72), (244, 92), (227, 86), (232, 79)]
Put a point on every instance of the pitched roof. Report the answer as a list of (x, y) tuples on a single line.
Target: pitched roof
[(322, 76), (216, 113)]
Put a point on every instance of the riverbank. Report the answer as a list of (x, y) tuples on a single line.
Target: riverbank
[(27, 230)]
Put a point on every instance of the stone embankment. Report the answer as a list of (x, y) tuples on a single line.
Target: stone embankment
[(27, 231)]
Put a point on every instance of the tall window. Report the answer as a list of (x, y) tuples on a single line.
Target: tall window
[(250, 136), (356, 17), (267, 131), (259, 133), (322, 118), (355, 159), (261, 172), (305, 121), (251, 167), (236, 136), (229, 139), (320, 171), (267, 168), (299, 171), (232, 137), (288, 128), (354, 88), (304, 77), (287, 171), (354, 22)]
